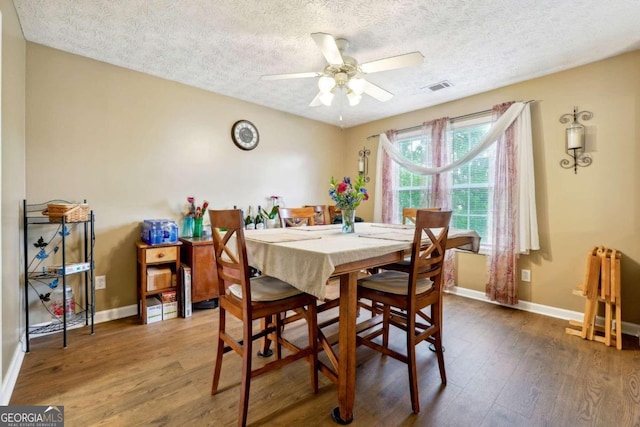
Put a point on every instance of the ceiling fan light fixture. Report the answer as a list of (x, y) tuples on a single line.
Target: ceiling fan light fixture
[(341, 78), (357, 85), (326, 98), (326, 84), (354, 98)]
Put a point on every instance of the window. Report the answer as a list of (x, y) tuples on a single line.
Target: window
[(413, 189), (471, 191)]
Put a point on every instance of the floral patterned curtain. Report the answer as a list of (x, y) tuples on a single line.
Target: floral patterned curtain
[(502, 286), (389, 184), (441, 183)]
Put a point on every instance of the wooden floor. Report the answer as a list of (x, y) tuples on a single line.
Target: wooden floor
[(505, 368)]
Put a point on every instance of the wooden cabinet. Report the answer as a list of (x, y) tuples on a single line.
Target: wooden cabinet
[(198, 253), (167, 255)]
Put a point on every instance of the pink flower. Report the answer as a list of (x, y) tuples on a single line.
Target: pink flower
[(342, 187), (191, 199)]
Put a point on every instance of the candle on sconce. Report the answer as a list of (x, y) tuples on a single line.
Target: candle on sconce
[(575, 137), (361, 165)]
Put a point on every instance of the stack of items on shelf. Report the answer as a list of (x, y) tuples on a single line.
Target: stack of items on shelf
[(601, 285), (160, 278), (159, 231), (162, 307)]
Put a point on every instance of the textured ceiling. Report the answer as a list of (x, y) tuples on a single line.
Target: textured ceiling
[(226, 45)]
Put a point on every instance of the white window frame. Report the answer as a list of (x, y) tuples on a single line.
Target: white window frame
[(487, 240), (404, 137)]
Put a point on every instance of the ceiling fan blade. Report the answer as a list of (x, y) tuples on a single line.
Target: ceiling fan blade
[(290, 76), (377, 92), (400, 61), (316, 101), (328, 47)]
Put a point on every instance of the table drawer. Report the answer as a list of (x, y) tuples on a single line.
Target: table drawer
[(161, 254)]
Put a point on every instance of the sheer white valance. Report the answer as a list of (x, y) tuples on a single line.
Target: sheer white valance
[(527, 227), (494, 133)]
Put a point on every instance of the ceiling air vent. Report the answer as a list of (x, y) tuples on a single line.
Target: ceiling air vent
[(440, 85)]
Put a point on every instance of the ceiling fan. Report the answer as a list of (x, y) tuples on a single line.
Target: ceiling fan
[(344, 73)]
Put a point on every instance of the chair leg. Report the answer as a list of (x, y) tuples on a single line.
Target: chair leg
[(436, 311), (279, 329), (265, 350), (438, 343), (219, 351), (411, 362), (386, 313), (312, 322), (245, 382)]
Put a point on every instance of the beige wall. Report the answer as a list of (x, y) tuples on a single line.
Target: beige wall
[(598, 206), (135, 146), (12, 142)]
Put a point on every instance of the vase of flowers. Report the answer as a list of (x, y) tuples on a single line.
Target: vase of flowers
[(194, 216), (348, 197)]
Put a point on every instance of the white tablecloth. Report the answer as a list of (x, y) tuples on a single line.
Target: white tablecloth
[(307, 264)]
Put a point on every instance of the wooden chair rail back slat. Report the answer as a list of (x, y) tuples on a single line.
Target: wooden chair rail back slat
[(296, 217)]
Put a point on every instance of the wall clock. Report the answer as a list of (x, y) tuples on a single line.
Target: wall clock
[(245, 135)]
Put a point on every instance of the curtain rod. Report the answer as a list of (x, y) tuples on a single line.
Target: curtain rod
[(451, 120)]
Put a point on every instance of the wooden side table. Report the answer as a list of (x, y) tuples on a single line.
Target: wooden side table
[(199, 254), (157, 256)]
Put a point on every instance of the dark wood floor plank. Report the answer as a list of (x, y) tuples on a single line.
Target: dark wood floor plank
[(505, 368)]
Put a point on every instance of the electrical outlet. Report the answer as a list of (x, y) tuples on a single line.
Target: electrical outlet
[(525, 275), (101, 282)]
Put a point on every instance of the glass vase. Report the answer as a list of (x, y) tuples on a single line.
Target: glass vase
[(348, 220), (197, 227), (187, 227)]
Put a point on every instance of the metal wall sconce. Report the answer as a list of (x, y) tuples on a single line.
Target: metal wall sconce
[(575, 140), (363, 163)]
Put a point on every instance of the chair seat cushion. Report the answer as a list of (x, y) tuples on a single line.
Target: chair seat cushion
[(393, 282), (266, 288)]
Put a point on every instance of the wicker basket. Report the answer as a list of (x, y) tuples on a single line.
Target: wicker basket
[(70, 212)]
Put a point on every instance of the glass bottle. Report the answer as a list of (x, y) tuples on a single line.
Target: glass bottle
[(259, 220), (249, 223)]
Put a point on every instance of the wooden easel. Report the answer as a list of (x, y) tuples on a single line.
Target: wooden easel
[(601, 285)]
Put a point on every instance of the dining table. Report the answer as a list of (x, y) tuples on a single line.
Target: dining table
[(307, 257)]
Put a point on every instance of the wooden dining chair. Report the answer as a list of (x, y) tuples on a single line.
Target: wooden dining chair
[(334, 213), (409, 214), (399, 298), (320, 214), (254, 298), (408, 217), (296, 217)]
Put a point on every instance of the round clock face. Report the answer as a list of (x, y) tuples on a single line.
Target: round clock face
[(245, 135)]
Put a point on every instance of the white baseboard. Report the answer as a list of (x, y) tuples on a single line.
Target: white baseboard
[(546, 310), (116, 313), (9, 381)]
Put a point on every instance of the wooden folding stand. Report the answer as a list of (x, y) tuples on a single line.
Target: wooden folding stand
[(601, 285)]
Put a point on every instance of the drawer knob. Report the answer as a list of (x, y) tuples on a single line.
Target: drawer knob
[(161, 255)]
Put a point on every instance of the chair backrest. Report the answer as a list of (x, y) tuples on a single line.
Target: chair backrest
[(227, 227), (427, 259), (320, 214), (409, 214), (334, 212), (295, 217)]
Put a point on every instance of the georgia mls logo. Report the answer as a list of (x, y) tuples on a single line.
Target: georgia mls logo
[(53, 408), (31, 416)]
